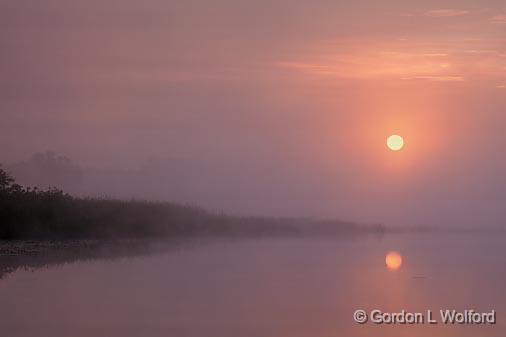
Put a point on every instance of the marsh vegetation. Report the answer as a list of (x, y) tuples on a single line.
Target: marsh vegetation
[(30, 213)]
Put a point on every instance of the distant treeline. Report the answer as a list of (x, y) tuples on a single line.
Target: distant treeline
[(30, 213)]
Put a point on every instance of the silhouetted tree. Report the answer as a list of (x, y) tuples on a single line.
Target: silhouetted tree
[(5, 180), (48, 169)]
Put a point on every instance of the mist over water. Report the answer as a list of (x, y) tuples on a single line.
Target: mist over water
[(268, 189), (269, 287)]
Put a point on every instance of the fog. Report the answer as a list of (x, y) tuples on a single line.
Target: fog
[(262, 108)]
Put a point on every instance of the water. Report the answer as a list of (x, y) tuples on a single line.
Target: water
[(263, 288)]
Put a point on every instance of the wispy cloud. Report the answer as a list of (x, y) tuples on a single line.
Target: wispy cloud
[(371, 64), (498, 19), (437, 78), (308, 67), (435, 54), (484, 51), (442, 61), (440, 13)]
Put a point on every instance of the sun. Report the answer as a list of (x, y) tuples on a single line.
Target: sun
[(393, 260), (395, 142)]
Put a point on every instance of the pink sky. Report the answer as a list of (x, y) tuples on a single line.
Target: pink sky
[(289, 101)]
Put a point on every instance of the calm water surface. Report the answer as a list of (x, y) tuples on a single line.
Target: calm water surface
[(263, 288)]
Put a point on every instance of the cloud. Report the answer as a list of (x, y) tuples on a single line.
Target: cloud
[(308, 67), (435, 54), (374, 64), (444, 60), (440, 13), (437, 78), (498, 19)]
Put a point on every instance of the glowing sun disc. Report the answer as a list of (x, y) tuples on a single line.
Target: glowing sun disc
[(393, 260), (395, 142)]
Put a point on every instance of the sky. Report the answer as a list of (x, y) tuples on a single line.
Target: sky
[(267, 107)]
